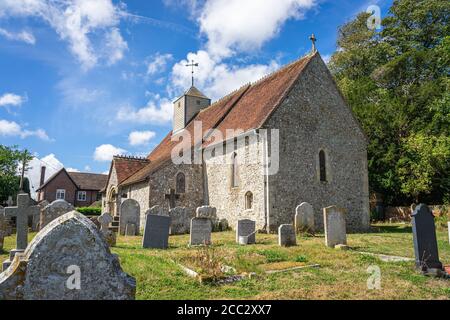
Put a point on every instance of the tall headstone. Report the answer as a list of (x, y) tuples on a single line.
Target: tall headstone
[(304, 218), (200, 231), (3, 227), (286, 235), (36, 224), (246, 228), (67, 260), (335, 227), (425, 241), (180, 220), (54, 210), (105, 220), (156, 232), (129, 214)]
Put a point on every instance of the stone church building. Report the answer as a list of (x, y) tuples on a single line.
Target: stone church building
[(264, 149)]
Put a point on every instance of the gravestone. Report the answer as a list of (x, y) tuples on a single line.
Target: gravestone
[(3, 227), (104, 221), (21, 212), (246, 228), (200, 231), (130, 230), (129, 214), (206, 212), (304, 218), (286, 235), (180, 220), (156, 211), (156, 232), (68, 248), (425, 241), (36, 223), (54, 210), (334, 225)]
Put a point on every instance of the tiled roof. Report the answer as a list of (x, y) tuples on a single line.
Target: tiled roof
[(89, 181), (126, 166), (247, 108)]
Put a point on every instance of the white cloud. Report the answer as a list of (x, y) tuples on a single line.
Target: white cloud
[(137, 138), (24, 36), (11, 99), (72, 170), (157, 111), (13, 129), (87, 168), (246, 25), (74, 21), (52, 165), (105, 152), (158, 63)]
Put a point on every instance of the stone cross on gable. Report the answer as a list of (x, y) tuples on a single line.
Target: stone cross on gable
[(22, 212), (172, 196)]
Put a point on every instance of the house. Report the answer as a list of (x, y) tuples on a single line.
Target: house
[(78, 188), (257, 153)]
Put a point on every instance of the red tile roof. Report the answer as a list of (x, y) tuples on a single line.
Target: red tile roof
[(247, 108), (89, 181), (127, 166)]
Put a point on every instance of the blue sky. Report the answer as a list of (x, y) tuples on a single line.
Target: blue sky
[(81, 80)]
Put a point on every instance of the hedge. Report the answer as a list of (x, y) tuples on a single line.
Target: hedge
[(90, 211)]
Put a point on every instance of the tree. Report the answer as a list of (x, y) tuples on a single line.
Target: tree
[(10, 161), (396, 82)]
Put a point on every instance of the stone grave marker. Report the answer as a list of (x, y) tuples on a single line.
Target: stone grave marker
[(156, 211), (180, 220), (54, 210), (3, 227), (334, 225), (425, 241), (246, 228), (156, 232), (304, 218), (286, 235), (200, 231), (129, 215), (67, 260), (104, 221)]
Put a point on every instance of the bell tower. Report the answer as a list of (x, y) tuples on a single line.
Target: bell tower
[(187, 106)]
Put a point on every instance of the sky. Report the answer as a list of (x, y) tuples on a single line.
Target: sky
[(83, 80)]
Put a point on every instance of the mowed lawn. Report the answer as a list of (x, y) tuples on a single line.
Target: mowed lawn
[(342, 274)]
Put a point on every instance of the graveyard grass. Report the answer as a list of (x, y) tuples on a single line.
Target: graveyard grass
[(342, 274)]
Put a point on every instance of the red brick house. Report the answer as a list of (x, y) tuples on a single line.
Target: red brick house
[(79, 189)]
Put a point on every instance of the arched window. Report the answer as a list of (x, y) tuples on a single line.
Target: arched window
[(248, 200), (322, 166), (181, 183), (234, 171)]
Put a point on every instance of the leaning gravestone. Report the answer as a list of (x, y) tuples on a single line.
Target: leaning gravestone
[(54, 210), (200, 231), (246, 228), (180, 220), (129, 215), (286, 235), (104, 221), (156, 232), (67, 260), (425, 241), (334, 225), (304, 218)]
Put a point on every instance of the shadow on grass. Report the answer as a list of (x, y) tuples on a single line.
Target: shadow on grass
[(391, 229)]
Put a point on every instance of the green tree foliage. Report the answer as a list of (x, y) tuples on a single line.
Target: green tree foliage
[(10, 161), (397, 83)]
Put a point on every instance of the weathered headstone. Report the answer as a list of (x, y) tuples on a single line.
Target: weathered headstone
[(157, 211), (334, 225), (3, 226), (130, 230), (104, 221), (246, 228), (286, 235), (36, 223), (206, 212), (200, 231), (156, 232), (129, 214), (425, 241), (304, 218), (54, 210), (180, 220), (67, 260)]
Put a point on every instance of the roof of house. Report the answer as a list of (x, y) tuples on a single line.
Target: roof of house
[(83, 181), (246, 108)]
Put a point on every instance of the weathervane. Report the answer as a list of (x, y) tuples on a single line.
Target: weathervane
[(192, 64), (313, 40)]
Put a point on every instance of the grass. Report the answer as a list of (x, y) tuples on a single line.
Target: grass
[(342, 275)]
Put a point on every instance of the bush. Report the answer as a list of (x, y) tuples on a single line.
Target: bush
[(90, 211)]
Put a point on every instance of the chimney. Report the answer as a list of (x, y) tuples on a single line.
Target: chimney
[(42, 176)]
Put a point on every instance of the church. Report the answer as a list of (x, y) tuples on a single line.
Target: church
[(256, 153)]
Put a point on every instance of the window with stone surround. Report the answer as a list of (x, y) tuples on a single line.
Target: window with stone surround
[(248, 200), (60, 194), (322, 166), (181, 183)]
